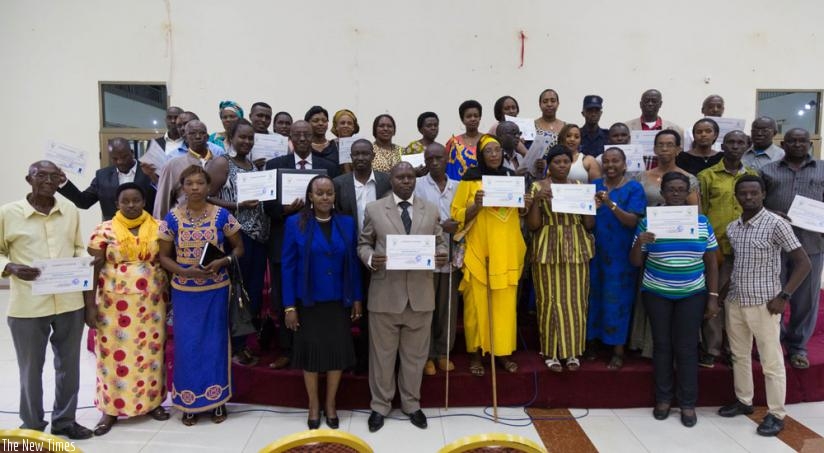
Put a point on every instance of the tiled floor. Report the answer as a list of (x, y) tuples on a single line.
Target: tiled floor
[(251, 427)]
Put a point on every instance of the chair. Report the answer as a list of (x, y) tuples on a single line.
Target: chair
[(493, 443), (319, 441), (34, 441)]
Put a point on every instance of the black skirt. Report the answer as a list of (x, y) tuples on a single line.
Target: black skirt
[(323, 342)]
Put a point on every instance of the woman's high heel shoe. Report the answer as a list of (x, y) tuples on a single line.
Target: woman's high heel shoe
[(332, 422), (313, 423)]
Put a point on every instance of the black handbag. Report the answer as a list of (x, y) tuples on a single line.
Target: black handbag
[(240, 314)]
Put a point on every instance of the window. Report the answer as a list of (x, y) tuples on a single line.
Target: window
[(791, 108), (135, 111)]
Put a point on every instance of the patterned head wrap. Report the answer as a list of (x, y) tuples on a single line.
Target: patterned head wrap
[(233, 106), (339, 114)]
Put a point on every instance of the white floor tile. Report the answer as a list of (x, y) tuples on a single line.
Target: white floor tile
[(809, 410), (399, 435), (670, 436), (465, 421), (742, 430), (814, 423), (610, 434), (230, 435)]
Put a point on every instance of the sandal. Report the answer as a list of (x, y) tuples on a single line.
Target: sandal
[(616, 362), (189, 419), (554, 365), (245, 357), (104, 425), (219, 415), (573, 364), (508, 364), (799, 361), (475, 366), (158, 414)]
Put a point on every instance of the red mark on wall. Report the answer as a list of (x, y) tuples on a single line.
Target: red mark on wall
[(523, 47)]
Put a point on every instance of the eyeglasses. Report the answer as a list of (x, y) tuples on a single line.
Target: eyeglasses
[(50, 177), (666, 145)]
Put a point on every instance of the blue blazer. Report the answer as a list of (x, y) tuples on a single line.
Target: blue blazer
[(321, 270)]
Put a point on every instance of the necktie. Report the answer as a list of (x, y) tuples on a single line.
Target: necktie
[(405, 218), (302, 164)]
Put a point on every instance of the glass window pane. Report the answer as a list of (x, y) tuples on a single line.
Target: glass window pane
[(133, 105), (791, 109)]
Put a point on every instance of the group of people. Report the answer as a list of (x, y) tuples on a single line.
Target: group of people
[(595, 280)]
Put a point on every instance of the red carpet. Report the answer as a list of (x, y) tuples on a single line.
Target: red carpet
[(593, 386)]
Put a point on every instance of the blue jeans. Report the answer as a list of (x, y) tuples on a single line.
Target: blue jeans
[(675, 328)]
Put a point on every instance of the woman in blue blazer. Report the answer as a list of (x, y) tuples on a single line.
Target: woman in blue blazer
[(321, 293)]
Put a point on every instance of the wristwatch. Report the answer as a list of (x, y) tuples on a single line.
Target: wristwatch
[(784, 295)]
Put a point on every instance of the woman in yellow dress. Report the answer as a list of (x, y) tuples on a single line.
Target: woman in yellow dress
[(561, 249), (130, 313), (493, 260)]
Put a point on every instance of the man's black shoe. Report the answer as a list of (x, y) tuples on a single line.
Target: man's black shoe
[(418, 418), (74, 431), (771, 426), (375, 421), (736, 408)]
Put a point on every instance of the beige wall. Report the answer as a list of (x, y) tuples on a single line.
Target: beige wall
[(397, 57)]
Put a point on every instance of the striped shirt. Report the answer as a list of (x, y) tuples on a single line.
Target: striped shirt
[(674, 268)]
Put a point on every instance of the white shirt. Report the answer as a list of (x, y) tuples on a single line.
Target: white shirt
[(364, 194), (428, 189), (172, 145), (123, 178), (308, 159)]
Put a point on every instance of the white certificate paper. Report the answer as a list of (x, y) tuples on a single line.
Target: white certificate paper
[(63, 275), (807, 214), (269, 146), (257, 185), (410, 252), (526, 125), (293, 186), (69, 159), (644, 139), (673, 222), (503, 191), (634, 154), (345, 148), (416, 160), (573, 198), (154, 156)]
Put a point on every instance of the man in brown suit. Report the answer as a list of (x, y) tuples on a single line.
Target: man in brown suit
[(400, 301)]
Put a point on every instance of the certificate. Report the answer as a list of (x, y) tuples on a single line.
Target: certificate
[(63, 275), (70, 160), (154, 156), (644, 139), (410, 252), (573, 198), (725, 126), (526, 126), (503, 191), (345, 148), (416, 160), (293, 183), (634, 154), (673, 222), (807, 214), (536, 151), (257, 185), (269, 146)]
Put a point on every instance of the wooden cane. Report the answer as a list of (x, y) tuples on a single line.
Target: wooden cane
[(491, 344), (448, 323)]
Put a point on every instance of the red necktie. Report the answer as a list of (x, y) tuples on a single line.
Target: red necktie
[(302, 164)]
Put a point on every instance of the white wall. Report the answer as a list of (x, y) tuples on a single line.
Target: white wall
[(401, 57)]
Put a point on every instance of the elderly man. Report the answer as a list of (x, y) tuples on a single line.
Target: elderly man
[(124, 168), (401, 301), (198, 153), (763, 150), (798, 173), (651, 102), (42, 227), (509, 135)]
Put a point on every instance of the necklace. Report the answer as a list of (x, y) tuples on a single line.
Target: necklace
[(610, 189), (323, 220), (199, 221)]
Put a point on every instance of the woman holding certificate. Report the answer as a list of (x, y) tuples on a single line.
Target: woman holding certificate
[(493, 260), (254, 223), (321, 293), (130, 314), (614, 281), (200, 294), (679, 289), (561, 250)]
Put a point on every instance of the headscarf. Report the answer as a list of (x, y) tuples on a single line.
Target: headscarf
[(231, 105), (476, 173), (135, 248), (339, 114)]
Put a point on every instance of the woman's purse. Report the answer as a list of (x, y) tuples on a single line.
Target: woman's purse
[(240, 314)]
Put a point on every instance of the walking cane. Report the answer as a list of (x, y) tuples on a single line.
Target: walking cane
[(448, 320), (491, 344)]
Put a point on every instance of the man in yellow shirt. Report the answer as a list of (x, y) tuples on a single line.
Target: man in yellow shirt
[(42, 227)]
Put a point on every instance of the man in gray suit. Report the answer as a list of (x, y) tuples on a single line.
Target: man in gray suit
[(400, 301)]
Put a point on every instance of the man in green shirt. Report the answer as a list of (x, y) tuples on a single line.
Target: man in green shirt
[(717, 184)]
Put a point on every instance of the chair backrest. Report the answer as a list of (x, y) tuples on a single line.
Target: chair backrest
[(493, 443), (319, 441), (15, 439)]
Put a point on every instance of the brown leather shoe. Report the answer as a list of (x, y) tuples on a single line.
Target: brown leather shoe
[(280, 363), (429, 368), (445, 365)]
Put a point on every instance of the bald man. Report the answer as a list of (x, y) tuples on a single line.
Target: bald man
[(42, 227), (123, 169), (651, 102)]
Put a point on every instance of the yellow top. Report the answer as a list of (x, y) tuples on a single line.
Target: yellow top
[(27, 235)]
